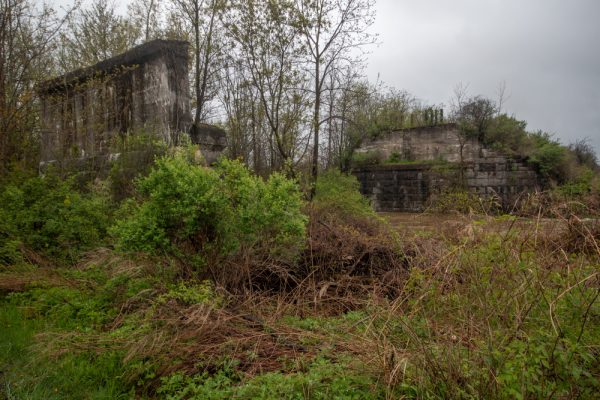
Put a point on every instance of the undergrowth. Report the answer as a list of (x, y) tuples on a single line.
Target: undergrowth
[(217, 284)]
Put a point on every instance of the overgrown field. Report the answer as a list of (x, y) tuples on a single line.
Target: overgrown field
[(217, 284)]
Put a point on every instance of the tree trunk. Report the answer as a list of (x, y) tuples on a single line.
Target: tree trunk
[(315, 160), (197, 71)]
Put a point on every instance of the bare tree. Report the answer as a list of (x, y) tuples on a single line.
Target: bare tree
[(502, 97), (332, 29), (585, 154), (202, 17), (238, 98), (28, 33), (269, 51), (94, 34), (474, 116), (145, 15)]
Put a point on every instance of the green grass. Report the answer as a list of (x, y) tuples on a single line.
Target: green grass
[(319, 379), (26, 374)]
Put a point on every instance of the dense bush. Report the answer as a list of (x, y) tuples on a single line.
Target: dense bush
[(48, 215), (548, 156), (348, 243), (339, 192), (557, 163), (186, 209)]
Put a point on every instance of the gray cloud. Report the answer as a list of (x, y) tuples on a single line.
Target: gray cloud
[(547, 52)]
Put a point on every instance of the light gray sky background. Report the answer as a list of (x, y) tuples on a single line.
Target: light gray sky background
[(547, 52)]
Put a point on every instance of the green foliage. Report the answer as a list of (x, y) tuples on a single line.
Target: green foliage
[(538, 336), (263, 215), (547, 156), (189, 209), (322, 379), (463, 201), (542, 365), (395, 157), (28, 375), (46, 214), (339, 192), (361, 159), (70, 308), (556, 163), (582, 185), (495, 317), (75, 356), (509, 135), (189, 293)]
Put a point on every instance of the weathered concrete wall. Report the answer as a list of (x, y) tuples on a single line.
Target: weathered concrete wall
[(441, 142), (143, 90), (409, 187), (212, 141)]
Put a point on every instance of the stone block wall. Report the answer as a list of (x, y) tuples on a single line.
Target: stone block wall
[(396, 188), (409, 186)]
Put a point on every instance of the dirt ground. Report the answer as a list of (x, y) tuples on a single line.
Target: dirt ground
[(469, 225)]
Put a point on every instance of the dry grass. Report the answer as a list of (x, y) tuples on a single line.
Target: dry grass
[(19, 279), (430, 304)]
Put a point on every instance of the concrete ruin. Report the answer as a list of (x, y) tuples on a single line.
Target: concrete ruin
[(144, 91), (410, 166)]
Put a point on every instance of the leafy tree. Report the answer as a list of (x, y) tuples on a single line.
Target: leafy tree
[(475, 117), (547, 156), (94, 34), (508, 134)]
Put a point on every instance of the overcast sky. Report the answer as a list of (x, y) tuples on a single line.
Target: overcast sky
[(547, 52)]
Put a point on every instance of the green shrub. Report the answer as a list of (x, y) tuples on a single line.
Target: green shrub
[(365, 158), (321, 380), (340, 192), (199, 212), (47, 215), (547, 156), (190, 293), (581, 185), (394, 158)]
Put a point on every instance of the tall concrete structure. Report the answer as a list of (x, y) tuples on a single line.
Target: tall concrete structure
[(410, 166), (142, 91)]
